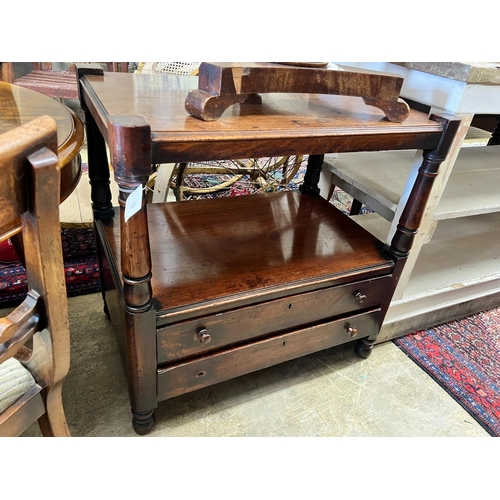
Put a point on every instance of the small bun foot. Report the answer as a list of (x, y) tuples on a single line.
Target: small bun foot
[(143, 423), (363, 348)]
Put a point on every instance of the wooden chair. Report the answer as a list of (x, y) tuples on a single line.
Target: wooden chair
[(50, 82), (34, 337)]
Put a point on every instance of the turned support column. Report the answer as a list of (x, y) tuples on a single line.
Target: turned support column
[(99, 177), (413, 211), (412, 214), (311, 177), (130, 149), (129, 139)]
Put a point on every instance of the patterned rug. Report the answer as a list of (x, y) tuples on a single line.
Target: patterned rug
[(80, 265), (463, 356)]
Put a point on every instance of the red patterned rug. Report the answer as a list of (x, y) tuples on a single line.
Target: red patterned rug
[(80, 265), (463, 356)]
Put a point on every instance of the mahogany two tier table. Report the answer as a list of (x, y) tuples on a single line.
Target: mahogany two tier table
[(203, 291)]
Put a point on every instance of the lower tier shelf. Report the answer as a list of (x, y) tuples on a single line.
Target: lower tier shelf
[(210, 256)]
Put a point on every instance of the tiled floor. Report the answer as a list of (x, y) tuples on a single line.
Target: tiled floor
[(331, 393)]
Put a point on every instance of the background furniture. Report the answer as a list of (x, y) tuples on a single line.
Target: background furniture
[(34, 338), (51, 82), (454, 269), (205, 291), (19, 105)]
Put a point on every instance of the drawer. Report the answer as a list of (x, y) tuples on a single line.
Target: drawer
[(210, 333), (224, 365)]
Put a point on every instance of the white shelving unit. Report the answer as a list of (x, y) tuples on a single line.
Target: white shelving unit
[(454, 267)]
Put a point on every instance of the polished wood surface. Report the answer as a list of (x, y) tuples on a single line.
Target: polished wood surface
[(19, 105), (221, 85), (29, 190), (204, 253), (282, 125)]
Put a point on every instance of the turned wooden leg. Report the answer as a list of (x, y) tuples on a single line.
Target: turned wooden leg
[(311, 177), (413, 211), (412, 214), (143, 422), (98, 164), (130, 146), (363, 347)]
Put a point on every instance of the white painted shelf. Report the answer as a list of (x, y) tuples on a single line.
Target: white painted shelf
[(378, 179)]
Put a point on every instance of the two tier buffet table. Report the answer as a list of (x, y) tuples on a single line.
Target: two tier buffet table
[(203, 291)]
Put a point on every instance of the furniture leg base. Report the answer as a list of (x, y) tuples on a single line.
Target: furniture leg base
[(363, 348), (144, 422)]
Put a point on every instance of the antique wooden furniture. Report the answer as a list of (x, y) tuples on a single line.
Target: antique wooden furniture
[(206, 290), (48, 81), (220, 85), (34, 338), (454, 268)]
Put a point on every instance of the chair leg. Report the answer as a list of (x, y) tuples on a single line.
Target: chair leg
[(162, 182), (53, 422)]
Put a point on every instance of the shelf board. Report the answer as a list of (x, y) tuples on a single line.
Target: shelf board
[(262, 247), (378, 179), (460, 264), (472, 188)]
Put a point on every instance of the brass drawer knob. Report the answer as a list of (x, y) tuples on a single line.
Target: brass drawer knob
[(360, 297), (351, 331), (203, 336)]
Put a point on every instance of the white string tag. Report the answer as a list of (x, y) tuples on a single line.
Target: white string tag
[(133, 203)]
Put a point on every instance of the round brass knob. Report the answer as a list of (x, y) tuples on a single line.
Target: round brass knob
[(351, 331), (203, 336), (360, 297)]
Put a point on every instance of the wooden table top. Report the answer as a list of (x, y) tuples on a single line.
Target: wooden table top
[(284, 124), (19, 105)]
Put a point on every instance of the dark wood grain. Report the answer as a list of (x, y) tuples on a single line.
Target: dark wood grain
[(181, 339), (221, 85), (204, 253)]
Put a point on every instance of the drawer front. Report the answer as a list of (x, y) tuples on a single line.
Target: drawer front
[(224, 365), (210, 333)]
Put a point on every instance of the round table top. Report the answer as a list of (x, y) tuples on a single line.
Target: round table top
[(19, 105)]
